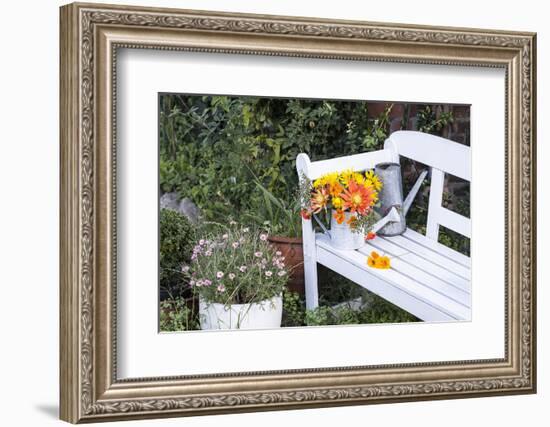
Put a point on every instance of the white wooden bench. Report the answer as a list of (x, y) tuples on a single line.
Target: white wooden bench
[(426, 278)]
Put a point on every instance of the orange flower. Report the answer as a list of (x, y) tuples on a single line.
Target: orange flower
[(351, 221), (335, 189), (319, 199), (370, 235), (358, 198), (382, 263), (305, 214), (375, 260), (339, 216)]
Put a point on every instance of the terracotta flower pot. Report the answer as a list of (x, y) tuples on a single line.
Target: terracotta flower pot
[(293, 251)]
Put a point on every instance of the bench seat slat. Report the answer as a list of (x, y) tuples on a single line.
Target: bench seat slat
[(434, 256), (412, 287), (386, 245), (438, 247), (430, 280)]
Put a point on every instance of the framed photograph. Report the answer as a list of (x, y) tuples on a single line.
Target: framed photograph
[(266, 212)]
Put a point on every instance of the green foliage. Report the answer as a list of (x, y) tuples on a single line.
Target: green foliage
[(431, 121), (321, 315), (176, 244), (454, 240), (381, 311), (177, 316), (374, 310), (293, 309), (213, 147), (279, 217)]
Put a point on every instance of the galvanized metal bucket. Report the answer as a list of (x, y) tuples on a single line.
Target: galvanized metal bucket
[(342, 236)]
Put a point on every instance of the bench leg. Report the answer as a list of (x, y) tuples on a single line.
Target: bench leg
[(312, 291), (310, 265)]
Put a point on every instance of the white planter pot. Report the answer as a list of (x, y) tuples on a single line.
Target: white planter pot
[(262, 315), (341, 235)]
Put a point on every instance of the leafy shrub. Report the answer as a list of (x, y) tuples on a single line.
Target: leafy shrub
[(378, 310), (430, 122), (293, 309), (176, 244), (177, 316), (321, 315), (204, 138)]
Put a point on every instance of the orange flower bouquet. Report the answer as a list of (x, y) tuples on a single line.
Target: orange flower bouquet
[(348, 196)]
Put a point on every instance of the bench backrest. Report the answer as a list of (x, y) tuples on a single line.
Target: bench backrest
[(443, 156)]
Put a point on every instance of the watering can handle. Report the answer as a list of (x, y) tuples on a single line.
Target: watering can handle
[(316, 218), (412, 194)]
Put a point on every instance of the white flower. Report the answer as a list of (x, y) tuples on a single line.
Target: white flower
[(258, 254), (263, 237), (235, 245), (225, 236), (192, 283), (278, 253), (231, 276), (281, 273), (268, 273), (242, 268), (219, 274), (232, 223), (221, 287), (185, 268), (246, 230), (208, 252), (201, 242), (207, 282)]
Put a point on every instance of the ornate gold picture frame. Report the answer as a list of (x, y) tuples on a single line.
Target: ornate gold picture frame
[(90, 37)]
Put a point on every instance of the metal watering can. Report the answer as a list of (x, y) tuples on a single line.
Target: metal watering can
[(392, 207)]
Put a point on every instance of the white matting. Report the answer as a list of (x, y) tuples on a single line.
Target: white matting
[(143, 352)]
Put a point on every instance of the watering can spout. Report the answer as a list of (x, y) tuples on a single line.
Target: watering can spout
[(412, 194)]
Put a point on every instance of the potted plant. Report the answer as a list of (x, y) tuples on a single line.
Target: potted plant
[(349, 198), (239, 278)]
